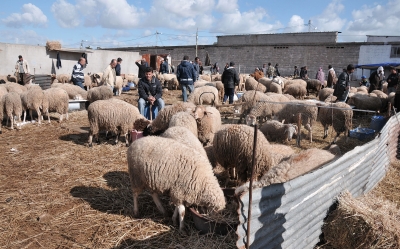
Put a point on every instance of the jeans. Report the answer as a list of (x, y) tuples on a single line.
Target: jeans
[(391, 90), (229, 92), (78, 82), (142, 103), (184, 91)]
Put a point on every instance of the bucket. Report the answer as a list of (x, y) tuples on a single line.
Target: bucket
[(377, 123), (135, 135)]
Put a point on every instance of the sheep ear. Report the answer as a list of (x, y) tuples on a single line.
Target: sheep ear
[(283, 121)]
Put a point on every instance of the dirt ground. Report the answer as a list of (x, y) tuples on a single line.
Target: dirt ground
[(56, 192)]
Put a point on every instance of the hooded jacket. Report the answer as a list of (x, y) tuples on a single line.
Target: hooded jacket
[(230, 78), (146, 88), (375, 80), (340, 88), (185, 73)]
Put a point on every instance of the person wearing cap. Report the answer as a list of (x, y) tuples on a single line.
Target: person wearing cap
[(230, 79), (342, 86), (21, 69), (392, 80), (258, 74), (375, 80), (118, 67), (364, 81)]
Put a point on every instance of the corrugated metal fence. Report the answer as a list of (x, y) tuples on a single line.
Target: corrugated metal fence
[(290, 215), (43, 80)]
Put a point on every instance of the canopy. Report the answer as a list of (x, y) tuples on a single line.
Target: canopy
[(383, 64)]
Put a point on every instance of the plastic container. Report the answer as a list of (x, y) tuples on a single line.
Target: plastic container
[(362, 133), (135, 135), (377, 123), (239, 94)]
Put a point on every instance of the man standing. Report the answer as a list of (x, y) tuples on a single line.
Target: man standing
[(230, 79), (21, 69), (77, 73), (331, 77), (375, 80), (164, 67), (271, 70), (186, 74), (109, 74), (118, 67), (277, 73), (296, 72), (150, 91), (342, 86), (393, 80), (321, 76), (142, 68), (264, 69), (197, 67)]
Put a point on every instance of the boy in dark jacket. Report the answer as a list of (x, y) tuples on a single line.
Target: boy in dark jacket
[(230, 79), (342, 85), (186, 75), (150, 91)]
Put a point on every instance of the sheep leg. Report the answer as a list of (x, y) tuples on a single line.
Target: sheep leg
[(127, 139), (308, 127), (24, 115), (61, 118), (158, 203), (66, 115), (337, 135), (181, 210), (325, 131), (117, 138), (30, 114), (90, 139), (135, 204), (175, 216), (39, 115), (12, 123), (7, 120)]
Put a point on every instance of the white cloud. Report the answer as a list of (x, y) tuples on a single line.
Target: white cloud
[(66, 14), (30, 15), (227, 6), (22, 36), (296, 24), (330, 20)]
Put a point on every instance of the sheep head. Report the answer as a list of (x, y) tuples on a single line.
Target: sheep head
[(290, 130), (199, 112)]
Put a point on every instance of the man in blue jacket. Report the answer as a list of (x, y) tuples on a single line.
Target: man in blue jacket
[(186, 75), (230, 79), (150, 91)]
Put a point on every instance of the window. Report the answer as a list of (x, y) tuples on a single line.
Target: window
[(395, 52), (281, 47)]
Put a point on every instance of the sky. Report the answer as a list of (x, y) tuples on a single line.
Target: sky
[(127, 23)]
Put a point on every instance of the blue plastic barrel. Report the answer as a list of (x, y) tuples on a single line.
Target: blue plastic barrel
[(377, 123)]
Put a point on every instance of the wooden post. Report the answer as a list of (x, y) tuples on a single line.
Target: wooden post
[(389, 110), (151, 111), (298, 130)]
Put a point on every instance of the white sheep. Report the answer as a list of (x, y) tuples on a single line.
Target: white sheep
[(176, 169), (265, 81), (63, 78), (184, 136), (206, 95), (365, 102), (99, 93), (12, 107), (208, 123), (33, 100), (88, 81), (3, 91), (266, 108), (112, 115), (280, 152), (171, 81), (340, 119), (96, 79), (296, 90), (205, 77), (57, 101), (252, 84), (325, 93), (277, 131), (119, 84), (275, 88), (15, 87), (74, 92), (184, 119)]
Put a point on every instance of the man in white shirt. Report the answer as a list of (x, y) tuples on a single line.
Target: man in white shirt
[(21, 69)]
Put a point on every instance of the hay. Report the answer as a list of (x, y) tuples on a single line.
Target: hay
[(228, 215), (53, 45), (366, 222)]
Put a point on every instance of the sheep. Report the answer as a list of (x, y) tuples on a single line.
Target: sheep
[(366, 102), (33, 99), (277, 131), (308, 112), (12, 107), (279, 80), (390, 98), (216, 77), (74, 92), (205, 77), (178, 170), (63, 78), (161, 122), (201, 83), (252, 84), (275, 88), (208, 123), (279, 152), (184, 136), (204, 95), (385, 88), (362, 89), (296, 90), (325, 93), (133, 78), (56, 100), (265, 81), (96, 79), (186, 120), (112, 115), (3, 91), (171, 81), (11, 78), (15, 87), (313, 84), (383, 96), (99, 93), (265, 108), (297, 82), (340, 119), (233, 149), (252, 96), (353, 89)]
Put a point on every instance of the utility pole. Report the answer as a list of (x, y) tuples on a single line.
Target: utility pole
[(157, 39), (197, 37), (309, 25)]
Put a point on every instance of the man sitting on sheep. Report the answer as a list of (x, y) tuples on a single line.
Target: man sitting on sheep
[(150, 92)]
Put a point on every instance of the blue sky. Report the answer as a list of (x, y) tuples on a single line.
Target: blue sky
[(119, 23)]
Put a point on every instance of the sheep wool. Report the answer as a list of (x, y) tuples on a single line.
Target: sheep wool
[(276, 131), (33, 100), (186, 137), (296, 90), (207, 95), (340, 119), (208, 123), (15, 87), (275, 88), (325, 93), (252, 84), (3, 91), (12, 107), (74, 92), (186, 120), (176, 169), (56, 100), (99, 93)]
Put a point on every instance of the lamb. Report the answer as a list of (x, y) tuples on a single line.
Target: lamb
[(190, 181), (208, 123), (184, 136), (275, 88), (74, 92), (204, 95), (233, 149), (161, 122), (277, 131), (340, 119), (11, 78), (15, 87), (296, 90), (33, 99), (325, 93), (57, 101), (12, 107), (308, 112), (63, 78), (313, 84), (252, 84), (112, 115), (184, 119)]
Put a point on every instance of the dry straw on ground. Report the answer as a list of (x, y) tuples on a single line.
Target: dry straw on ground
[(365, 222), (53, 45)]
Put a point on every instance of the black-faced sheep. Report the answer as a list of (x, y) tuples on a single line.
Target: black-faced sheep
[(178, 170), (277, 131), (340, 119), (208, 123), (233, 147)]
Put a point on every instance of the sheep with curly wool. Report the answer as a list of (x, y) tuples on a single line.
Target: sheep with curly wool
[(280, 152), (33, 100), (208, 123), (161, 122), (275, 88), (179, 170), (205, 95), (252, 84), (112, 115), (184, 136), (339, 115), (99, 93), (313, 84), (184, 119), (74, 92), (56, 100), (296, 90), (366, 102), (233, 149), (12, 107), (15, 87), (274, 130), (325, 93)]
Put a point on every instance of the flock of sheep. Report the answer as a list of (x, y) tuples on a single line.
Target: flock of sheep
[(186, 141)]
